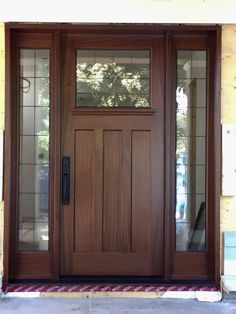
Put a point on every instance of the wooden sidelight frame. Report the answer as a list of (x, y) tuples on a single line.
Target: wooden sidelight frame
[(30, 265)]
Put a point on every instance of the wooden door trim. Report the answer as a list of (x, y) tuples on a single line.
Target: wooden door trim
[(57, 30), (13, 259), (125, 28), (105, 123), (210, 260), (55, 139), (214, 153), (169, 206), (7, 156)]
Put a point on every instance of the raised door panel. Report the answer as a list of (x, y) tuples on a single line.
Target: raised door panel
[(116, 191), (111, 204), (87, 213), (141, 191)]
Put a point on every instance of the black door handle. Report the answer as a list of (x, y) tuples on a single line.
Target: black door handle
[(65, 180)]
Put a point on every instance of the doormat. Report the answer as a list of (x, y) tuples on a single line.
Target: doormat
[(105, 288), (208, 293)]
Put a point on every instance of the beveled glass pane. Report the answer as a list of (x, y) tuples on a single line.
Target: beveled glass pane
[(142, 70), (42, 62), (26, 237), (201, 94), (41, 120), (42, 149), (33, 236), (182, 123), (33, 207), (85, 99), (140, 57), (140, 101), (104, 56), (34, 149), (113, 78), (42, 92), (27, 94), (42, 180), (27, 179), (27, 121), (199, 172), (191, 96), (191, 93), (200, 150), (199, 64), (200, 116), (84, 86), (41, 236), (27, 208), (34, 178), (182, 149), (27, 62), (27, 151), (184, 64), (41, 212)]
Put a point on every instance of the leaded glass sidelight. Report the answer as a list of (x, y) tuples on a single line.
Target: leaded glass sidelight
[(113, 78), (191, 104), (34, 149)]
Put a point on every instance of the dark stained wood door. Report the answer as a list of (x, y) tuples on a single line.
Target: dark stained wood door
[(113, 224)]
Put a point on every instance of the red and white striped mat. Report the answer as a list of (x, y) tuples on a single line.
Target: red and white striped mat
[(105, 288)]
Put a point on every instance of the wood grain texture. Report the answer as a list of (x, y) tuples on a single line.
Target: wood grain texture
[(116, 264), (87, 216), (32, 265), (141, 191), (193, 264), (116, 195), (129, 176), (84, 193)]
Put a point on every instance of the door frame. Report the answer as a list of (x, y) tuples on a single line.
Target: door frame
[(15, 30)]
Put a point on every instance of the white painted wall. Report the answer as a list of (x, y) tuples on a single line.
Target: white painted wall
[(120, 11)]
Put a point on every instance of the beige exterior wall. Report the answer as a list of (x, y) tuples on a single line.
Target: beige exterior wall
[(228, 115), (228, 204), (122, 11)]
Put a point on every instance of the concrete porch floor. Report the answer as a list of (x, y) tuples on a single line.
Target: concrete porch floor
[(112, 306)]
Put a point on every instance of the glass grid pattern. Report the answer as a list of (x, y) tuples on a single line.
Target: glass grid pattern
[(191, 104), (34, 149), (113, 78)]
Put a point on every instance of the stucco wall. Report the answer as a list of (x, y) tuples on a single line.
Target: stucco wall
[(228, 204), (122, 11), (2, 74), (228, 109)]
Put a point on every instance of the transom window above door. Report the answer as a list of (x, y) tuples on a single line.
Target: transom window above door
[(113, 78)]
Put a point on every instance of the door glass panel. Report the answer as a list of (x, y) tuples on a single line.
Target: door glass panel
[(191, 102), (34, 149), (113, 78)]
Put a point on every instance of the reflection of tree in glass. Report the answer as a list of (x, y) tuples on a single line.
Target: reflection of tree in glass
[(43, 92), (181, 119), (43, 133), (113, 85)]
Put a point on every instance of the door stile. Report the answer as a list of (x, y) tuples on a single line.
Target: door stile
[(55, 191)]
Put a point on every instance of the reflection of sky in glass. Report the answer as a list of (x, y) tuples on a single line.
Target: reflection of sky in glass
[(34, 149), (181, 168), (181, 99)]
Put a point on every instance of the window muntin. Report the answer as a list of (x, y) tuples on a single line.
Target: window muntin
[(34, 149), (191, 103)]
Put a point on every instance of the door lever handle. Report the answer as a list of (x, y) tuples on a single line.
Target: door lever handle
[(65, 180)]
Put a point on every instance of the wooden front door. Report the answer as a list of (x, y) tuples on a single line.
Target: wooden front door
[(112, 212)]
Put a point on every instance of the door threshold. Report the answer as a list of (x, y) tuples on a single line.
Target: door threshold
[(204, 292)]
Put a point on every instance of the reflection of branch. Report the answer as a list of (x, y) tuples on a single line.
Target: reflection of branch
[(25, 89)]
